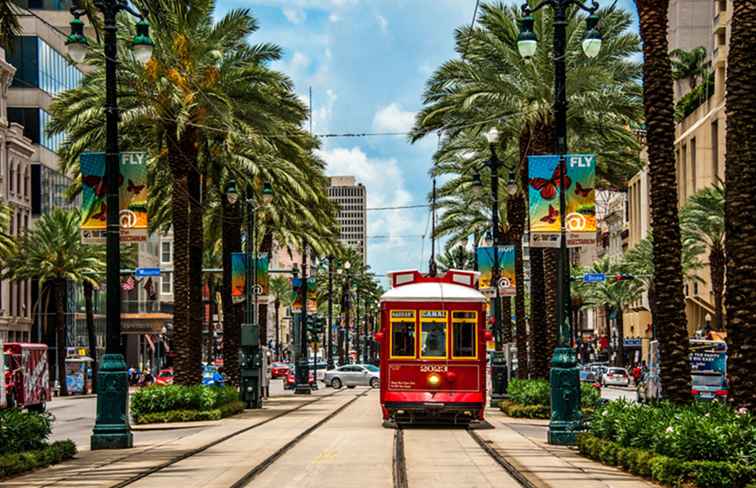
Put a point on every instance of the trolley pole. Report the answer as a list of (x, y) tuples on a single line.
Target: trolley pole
[(329, 336), (302, 386)]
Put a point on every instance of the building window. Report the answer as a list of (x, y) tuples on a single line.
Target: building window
[(12, 178), (166, 283), (55, 73), (166, 251), (50, 142), (683, 177)]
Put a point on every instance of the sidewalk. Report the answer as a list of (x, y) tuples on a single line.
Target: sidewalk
[(522, 442), (106, 468)]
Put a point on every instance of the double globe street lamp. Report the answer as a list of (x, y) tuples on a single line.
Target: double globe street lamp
[(251, 360), (111, 430), (565, 420), (498, 366)]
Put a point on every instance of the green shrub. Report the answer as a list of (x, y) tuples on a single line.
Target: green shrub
[(514, 409), (156, 399), (665, 469), (15, 463), (702, 431), (184, 415), (23, 431), (529, 392), (589, 396)]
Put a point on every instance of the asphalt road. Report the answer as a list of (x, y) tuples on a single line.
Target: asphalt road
[(74, 417), (617, 392)]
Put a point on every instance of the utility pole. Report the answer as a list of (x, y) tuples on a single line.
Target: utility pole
[(329, 341), (302, 386)]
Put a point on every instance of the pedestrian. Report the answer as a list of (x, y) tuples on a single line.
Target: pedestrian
[(636, 374)]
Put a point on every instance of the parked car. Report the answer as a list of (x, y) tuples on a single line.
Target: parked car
[(352, 375), (279, 370), (165, 377), (587, 375), (291, 380), (616, 377)]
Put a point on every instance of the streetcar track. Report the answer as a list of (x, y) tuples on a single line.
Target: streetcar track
[(265, 464), (399, 471), (194, 452), (501, 460)]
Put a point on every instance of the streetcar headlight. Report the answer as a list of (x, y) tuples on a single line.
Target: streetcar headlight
[(434, 379)]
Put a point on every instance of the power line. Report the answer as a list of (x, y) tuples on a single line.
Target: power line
[(399, 207)]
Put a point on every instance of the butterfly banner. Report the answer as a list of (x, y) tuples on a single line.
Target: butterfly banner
[(132, 197), (239, 276), (486, 260), (544, 174)]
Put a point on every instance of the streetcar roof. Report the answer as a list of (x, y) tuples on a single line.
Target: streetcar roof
[(433, 291)]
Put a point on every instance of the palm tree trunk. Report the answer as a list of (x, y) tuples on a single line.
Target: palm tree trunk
[(740, 205), (278, 331), (231, 237), (196, 306), (91, 335), (60, 329), (266, 248), (717, 268), (538, 329), (186, 366), (669, 311), (551, 275), (516, 214), (620, 358)]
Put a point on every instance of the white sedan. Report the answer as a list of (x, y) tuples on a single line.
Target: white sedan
[(616, 377), (352, 375)]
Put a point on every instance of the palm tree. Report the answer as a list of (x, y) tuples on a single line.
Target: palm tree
[(612, 294), (702, 221), (204, 87), (280, 287), (740, 235), (688, 65), (492, 84), (52, 252), (9, 26), (669, 309), (456, 257)]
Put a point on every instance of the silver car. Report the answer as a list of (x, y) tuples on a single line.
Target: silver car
[(351, 375)]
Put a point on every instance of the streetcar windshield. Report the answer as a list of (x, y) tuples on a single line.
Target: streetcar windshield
[(464, 340), (403, 339), (433, 339)]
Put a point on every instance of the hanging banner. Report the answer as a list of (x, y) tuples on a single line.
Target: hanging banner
[(239, 276), (543, 196), (507, 285), (132, 197)]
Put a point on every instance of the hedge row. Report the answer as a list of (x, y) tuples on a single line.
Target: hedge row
[(514, 409), (161, 399), (19, 462), (668, 470), (183, 415)]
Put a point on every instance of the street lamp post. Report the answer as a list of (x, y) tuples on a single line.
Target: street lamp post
[(111, 430), (564, 377), (498, 364), (329, 341), (347, 301), (302, 370), (251, 353)]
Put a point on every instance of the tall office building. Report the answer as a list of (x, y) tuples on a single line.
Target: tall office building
[(351, 198)]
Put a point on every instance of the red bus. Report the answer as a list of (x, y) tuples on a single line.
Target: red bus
[(433, 348)]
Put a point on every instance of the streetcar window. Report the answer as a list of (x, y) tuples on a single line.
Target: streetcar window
[(403, 339), (433, 340), (464, 340)]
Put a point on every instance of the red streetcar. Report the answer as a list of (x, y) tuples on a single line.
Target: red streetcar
[(433, 348)]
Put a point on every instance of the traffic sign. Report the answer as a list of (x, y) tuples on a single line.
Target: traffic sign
[(594, 277), (146, 272)]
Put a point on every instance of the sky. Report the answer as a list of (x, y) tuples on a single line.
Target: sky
[(367, 62)]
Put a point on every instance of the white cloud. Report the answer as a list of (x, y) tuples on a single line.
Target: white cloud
[(392, 118), (295, 15), (382, 23), (385, 185), (334, 18), (323, 112)]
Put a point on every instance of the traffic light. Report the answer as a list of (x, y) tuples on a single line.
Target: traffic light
[(315, 326), (623, 277)]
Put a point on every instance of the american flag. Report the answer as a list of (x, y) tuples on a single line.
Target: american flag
[(129, 284)]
